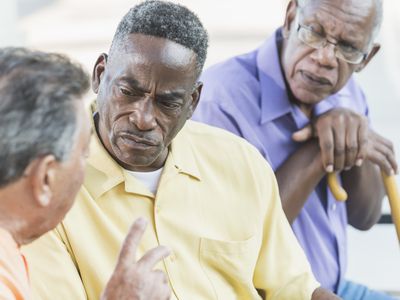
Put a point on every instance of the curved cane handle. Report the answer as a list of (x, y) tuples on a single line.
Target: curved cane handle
[(391, 190), (338, 192)]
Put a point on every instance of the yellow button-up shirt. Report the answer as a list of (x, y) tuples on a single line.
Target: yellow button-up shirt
[(217, 208)]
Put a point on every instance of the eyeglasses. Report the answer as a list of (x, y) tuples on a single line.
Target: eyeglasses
[(317, 41)]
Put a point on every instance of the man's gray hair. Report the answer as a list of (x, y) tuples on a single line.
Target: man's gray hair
[(38, 93), (166, 20), (377, 21)]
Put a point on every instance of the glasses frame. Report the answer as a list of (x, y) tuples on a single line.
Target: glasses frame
[(325, 42)]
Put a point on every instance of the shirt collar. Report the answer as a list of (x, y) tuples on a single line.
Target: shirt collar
[(274, 98), (182, 153)]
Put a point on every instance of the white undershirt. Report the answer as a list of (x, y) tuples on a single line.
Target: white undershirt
[(149, 179)]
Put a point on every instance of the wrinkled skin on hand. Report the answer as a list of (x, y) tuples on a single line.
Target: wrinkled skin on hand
[(346, 141)]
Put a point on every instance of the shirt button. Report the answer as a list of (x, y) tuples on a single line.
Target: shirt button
[(333, 206)]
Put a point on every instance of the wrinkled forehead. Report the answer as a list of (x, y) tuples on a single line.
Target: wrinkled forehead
[(150, 50), (350, 18)]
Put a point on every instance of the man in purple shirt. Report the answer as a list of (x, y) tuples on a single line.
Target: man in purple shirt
[(295, 99)]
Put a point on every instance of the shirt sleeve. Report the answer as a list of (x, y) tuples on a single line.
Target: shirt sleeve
[(52, 270), (282, 269)]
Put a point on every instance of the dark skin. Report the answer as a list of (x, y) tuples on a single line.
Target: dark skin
[(145, 95), (339, 140)]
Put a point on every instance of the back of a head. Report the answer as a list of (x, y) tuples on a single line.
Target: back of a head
[(38, 92), (166, 20)]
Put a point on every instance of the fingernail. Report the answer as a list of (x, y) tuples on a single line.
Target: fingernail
[(329, 169), (391, 173), (359, 162)]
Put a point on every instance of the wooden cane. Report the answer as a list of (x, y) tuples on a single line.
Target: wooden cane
[(394, 199), (391, 190)]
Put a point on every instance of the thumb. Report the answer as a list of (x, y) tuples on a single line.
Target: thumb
[(303, 134)]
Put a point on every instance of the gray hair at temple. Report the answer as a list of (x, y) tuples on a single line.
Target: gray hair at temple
[(378, 15), (38, 94), (166, 20)]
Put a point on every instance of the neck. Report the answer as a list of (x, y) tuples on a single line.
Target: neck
[(306, 109), (12, 228), (12, 216)]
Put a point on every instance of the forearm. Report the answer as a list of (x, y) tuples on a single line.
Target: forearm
[(298, 177), (365, 191)]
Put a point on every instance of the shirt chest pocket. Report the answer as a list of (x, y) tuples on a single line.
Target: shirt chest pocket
[(229, 266)]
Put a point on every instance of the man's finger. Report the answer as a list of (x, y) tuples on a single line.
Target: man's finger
[(390, 164), (326, 143), (351, 147), (389, 153), (379, 158), (339, 135), (127, 255), (153, 256), (362, 143), (303, 134)]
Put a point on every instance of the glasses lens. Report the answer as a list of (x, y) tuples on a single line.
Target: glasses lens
[(353, 57), (310, 37)]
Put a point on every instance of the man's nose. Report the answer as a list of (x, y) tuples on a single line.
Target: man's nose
[(325, 56), (143, 114)]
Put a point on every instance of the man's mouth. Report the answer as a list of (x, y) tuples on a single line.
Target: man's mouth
[(135, 140), (315, 80)]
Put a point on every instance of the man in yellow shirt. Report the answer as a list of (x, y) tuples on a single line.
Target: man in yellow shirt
[(44, 141), (209, 196)]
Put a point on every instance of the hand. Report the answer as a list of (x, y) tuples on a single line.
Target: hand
[(381, 152), (136, 280), (345, 141)]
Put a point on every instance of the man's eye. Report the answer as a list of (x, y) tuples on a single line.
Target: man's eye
[(125, 91), (170, 105), (347, 48)]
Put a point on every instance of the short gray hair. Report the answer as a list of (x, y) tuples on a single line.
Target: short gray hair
[(166, 20), (38, 92)]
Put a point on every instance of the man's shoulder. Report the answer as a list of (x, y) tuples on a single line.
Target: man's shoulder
[(219, 142), (228, 73), (199, 132)]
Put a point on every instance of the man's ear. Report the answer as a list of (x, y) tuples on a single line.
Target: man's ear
[(372, 53), (290, 16), (98, 71), (41, 174), (195, 98)]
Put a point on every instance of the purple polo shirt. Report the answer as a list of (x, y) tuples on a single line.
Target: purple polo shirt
[(247, 95)]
